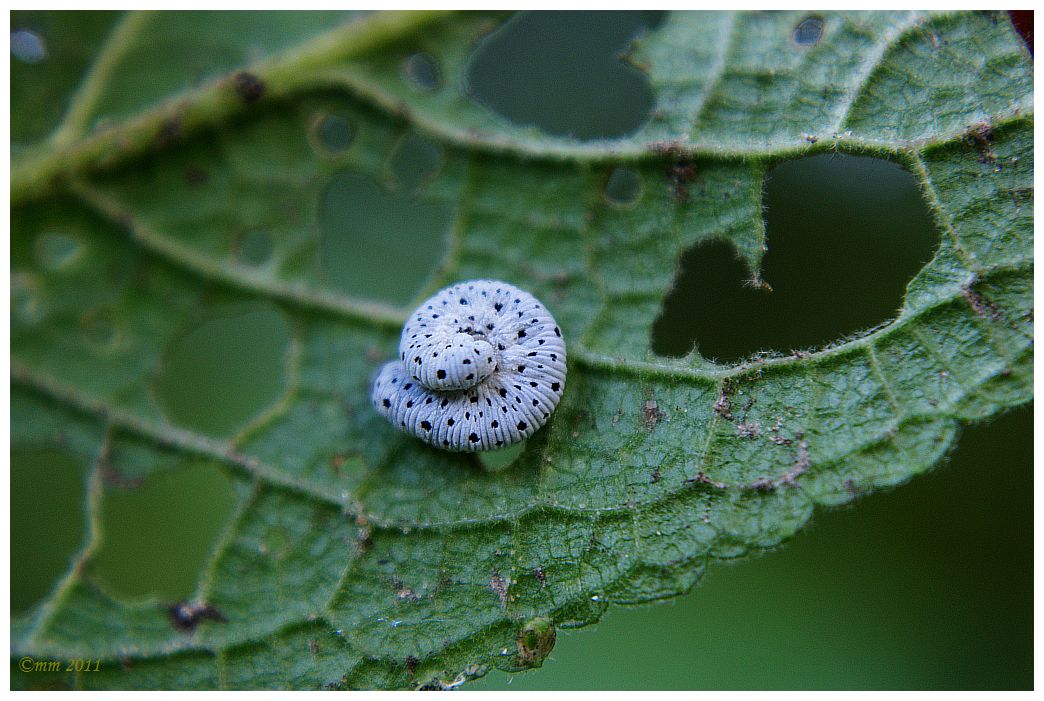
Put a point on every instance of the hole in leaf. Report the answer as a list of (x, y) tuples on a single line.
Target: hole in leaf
[(422, 72), (622, 187), (378, 244), (563, 72), (331, 134), (226, 370), (414, 162), (1022, 20), (496, 460), (158, 535), (256, 247), (47, 520), (28, 46), (50, 53), (55, 250), (845, 236), (809, 31)]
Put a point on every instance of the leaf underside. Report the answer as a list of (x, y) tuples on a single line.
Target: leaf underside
[(404, 566)]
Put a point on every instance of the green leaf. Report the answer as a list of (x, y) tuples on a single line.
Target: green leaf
[(214, 183)]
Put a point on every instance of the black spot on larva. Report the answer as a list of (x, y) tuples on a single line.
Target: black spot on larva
[(470, 376), (555, 386), (463, 301), (444, 402), (407, 385), (532, 384), (450, 422), (495, 424), (473, 438), (521, 368), (503, 392), (498, 306), (426, 425), (536, 402), (521, 333), (248, 87), (467, 361), (554, 358), (474, 399), (558, 332), (489, 327), (441, 374), (531, 354), (522, 426), (387, 403), (409, 404)]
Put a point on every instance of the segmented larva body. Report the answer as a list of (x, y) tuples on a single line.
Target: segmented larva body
[(482, 365)]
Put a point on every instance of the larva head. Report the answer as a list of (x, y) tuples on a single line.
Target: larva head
[(450, 361)]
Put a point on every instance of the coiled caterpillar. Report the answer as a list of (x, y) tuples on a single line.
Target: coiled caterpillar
[(482, 365)]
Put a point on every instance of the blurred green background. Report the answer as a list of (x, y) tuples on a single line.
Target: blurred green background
[(927, 586)]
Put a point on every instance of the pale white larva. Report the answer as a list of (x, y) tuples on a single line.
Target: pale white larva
[(481, 365)]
